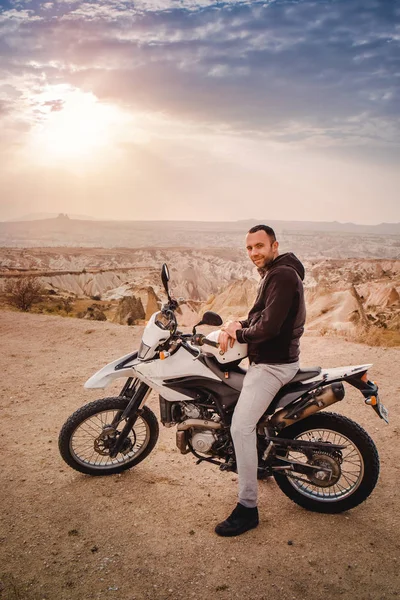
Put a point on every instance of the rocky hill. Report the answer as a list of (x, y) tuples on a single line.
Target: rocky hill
[(113, 273), (343, 296)]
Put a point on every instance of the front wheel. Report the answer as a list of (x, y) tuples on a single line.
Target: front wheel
[(87, 436), (353, 471)]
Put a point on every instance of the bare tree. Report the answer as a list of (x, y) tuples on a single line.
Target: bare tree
[(23, 292)]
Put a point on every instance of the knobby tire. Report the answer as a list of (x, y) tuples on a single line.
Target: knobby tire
[(78, 419), (359, 438)]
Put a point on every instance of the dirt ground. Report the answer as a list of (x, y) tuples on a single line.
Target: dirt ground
[(149, 532)]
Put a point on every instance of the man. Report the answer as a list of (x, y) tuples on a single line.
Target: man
[(272, 331)]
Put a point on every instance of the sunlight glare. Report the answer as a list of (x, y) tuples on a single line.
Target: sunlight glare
[(72, 125)]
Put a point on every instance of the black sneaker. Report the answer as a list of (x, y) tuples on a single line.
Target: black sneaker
[(240, 520)]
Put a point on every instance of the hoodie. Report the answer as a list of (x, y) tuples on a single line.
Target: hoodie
[(275, 324)]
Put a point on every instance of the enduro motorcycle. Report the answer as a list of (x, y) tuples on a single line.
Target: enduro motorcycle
[(324, 462)]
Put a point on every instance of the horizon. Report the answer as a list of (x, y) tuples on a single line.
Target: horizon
[(134, 110), (22, 219)]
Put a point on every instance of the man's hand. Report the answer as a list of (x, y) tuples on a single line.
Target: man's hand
[(228, 335)]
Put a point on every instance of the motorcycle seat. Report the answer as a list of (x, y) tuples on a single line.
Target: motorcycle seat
[(301, 375), (235, 376), (304, 374)]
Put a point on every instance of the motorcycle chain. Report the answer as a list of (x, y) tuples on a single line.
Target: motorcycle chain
[(335, 454)]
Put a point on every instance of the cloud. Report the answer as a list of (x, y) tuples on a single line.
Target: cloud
[(54, 105), (255, 65), (311, 76)]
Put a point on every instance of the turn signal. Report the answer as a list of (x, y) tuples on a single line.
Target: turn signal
[(371, 401), (364, 378)]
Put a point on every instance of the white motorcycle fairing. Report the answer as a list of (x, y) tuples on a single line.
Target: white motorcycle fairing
[(153, 336), (179, 364), (235, 353), (150, 369), (153, 372), (107, 374)]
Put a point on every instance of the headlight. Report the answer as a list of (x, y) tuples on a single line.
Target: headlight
[(143, 351)]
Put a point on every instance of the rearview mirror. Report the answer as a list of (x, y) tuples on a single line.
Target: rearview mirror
[(209, 318), (165, 277)]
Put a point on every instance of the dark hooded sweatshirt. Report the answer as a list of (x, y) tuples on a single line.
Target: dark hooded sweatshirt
[(276, 321)]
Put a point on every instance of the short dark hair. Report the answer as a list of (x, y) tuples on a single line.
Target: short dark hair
[(268, 230)]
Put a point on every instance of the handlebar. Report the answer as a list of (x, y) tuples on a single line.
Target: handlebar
[(199, 340)]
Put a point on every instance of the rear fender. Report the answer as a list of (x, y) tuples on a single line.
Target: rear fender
[(369, 390), (122, 367)]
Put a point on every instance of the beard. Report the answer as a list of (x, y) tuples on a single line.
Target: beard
[(267, 262)]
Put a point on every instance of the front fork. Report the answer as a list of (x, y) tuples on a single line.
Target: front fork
[(138, 392)]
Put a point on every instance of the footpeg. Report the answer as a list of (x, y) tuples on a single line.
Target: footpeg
[(229, 466)]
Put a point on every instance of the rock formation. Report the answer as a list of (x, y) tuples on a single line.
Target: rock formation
[(342, 295), (94, 313), (129, 311)]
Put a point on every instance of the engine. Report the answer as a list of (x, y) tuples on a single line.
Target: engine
[(173, 413), (199, 427), (202, 441), (191, 410)]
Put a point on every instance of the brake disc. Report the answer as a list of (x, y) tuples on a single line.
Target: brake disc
[(105, 441)]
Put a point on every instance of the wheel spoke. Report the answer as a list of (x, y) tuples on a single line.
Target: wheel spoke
[(348, 472), (89, 432)]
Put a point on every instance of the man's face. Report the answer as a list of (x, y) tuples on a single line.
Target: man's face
[(260, 248)]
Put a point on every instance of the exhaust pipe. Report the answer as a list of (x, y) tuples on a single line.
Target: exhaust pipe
[(182, 442), (189, 423), (327, 396)]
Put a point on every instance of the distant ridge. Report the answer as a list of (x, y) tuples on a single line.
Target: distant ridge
[(44, 216), (305, 238), (334, 226), (240, 225)]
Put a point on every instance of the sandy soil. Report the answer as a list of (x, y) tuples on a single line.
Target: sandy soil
[(149, 532)]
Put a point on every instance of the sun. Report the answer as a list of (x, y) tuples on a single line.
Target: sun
[(71, 125)]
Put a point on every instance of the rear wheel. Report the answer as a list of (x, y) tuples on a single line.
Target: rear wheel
[(347, 477), (88, 435)]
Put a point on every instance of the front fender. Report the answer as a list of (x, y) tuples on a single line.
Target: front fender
[(122, 367)]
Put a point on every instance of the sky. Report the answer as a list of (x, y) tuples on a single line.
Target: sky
[(201, 110)]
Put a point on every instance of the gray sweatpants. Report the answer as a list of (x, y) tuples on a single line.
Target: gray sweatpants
[(260, 385)]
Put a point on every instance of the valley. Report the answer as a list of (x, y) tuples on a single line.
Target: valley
[(357, 297)]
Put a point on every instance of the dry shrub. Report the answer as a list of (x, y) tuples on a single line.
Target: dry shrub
[(374, 336), (94, 313), (67, 304), (371, 336), (23, 292)]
